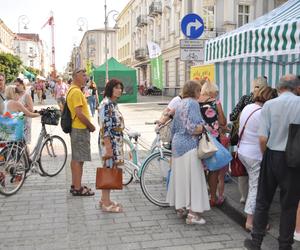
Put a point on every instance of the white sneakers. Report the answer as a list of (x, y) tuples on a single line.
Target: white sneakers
[(297, 236)]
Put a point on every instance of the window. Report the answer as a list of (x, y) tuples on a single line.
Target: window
[(30, 50), (243, 14), (209, 17), (31, 63), (177, 72), (167, 73)]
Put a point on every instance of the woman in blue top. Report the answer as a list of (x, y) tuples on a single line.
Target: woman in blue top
[(187, 188)]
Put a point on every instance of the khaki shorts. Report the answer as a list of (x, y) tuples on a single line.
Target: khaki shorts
[(80, 144)]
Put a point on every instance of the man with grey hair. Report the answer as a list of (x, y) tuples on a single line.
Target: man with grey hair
[(2, 90), (276, 116)]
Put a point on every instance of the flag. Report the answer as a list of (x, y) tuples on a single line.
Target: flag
[(156, 64), (49, 22)]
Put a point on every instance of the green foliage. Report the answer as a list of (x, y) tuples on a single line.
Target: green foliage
[(10, 66), (33, 70)]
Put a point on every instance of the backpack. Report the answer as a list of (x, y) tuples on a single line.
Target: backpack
[(66, 118)]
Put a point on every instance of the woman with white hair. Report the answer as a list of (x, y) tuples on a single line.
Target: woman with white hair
[(213, 115), (12, 104)]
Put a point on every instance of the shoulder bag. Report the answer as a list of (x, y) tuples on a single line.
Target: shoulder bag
[(292, 151), (206, 146), (236, 166)]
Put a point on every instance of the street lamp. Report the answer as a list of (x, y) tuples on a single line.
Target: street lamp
[(106, 15), (83, 22), (24, 20)]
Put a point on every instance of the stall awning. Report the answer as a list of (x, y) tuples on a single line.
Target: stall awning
[(276, 33)]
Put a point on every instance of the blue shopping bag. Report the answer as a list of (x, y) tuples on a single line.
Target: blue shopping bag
[(11, 128), (220, 159)]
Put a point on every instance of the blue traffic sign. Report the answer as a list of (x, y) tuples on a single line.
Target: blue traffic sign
[(192, 26)]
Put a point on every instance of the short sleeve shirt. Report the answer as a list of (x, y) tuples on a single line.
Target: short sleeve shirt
[(77, 99)]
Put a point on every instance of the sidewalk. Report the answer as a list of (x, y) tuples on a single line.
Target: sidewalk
[(44, 215)]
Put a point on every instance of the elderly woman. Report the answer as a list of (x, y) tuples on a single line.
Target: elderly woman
[(234, 117), (249, 148), (111, 136), (187, 187), (26, 100), (213, 115)]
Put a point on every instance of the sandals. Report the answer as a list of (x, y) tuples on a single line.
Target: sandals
[(194, 219), (72, 188), (83, 191), (111, 208), (112, 203)]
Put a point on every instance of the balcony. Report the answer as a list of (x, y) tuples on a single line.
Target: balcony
[(141, 21), (155, 9), (140, 54)]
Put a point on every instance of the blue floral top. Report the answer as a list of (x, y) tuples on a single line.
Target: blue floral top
[(111, 125), (187, 118)]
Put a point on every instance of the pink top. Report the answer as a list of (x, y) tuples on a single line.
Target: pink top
[(60, 90)]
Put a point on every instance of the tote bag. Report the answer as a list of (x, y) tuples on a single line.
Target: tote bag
[(206, 146), (219, 159), (109, 177)]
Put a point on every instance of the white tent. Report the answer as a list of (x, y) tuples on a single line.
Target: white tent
[(269, 46)]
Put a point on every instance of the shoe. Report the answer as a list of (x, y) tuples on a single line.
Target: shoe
[(250, 245), (181, 213), (220, 201), (297, 236), (111, 209), (194, 219)]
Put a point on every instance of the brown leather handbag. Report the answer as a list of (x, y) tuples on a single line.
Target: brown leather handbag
[(109, 178)]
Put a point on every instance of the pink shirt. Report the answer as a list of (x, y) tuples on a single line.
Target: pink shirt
[(60, 90)]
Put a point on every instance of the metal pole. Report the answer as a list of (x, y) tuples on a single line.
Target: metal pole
[(19, 44), (105, 34)]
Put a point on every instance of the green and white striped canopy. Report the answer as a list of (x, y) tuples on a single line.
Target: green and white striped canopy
[(276, 33)]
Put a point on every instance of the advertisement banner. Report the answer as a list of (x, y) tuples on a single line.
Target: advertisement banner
[(203, 71), (156, 72)]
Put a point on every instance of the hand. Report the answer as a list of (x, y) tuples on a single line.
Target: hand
[(91, 128), (109, 152)]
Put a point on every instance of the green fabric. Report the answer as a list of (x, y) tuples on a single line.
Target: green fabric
[(121, 72), (156, 66)]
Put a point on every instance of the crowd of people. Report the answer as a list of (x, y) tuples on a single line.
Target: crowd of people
[(263, 119)]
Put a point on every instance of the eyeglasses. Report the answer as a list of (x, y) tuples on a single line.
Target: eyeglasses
[(80, 70)]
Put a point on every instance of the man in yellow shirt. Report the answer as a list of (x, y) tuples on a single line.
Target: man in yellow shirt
[(80, 134)]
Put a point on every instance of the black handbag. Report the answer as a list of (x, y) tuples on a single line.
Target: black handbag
[(292, 150)]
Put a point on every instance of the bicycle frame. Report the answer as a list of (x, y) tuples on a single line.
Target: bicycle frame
[(35, 153)]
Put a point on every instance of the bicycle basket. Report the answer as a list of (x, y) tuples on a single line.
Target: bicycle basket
[(165, 133), (50, 116)]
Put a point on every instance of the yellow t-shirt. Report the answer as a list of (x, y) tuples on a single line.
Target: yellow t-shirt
[(75, 99)]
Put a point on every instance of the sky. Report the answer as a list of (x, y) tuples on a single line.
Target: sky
[(66, 14)]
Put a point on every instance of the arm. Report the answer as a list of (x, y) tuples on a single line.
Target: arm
[(194, 119), (84, 119), (263, 143), (221, 117), (20, 107), (166, 116)]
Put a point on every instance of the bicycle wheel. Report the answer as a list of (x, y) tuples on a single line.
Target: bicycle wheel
[(53, 156), (13, 163), (155, 177), (128, 157)]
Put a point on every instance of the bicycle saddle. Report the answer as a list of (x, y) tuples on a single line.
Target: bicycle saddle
[(133, 134)]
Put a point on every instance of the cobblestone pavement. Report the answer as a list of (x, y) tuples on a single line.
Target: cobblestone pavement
[(44, 215)]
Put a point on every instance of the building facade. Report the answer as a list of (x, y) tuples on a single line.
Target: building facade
[(92, 47), (159, 21), (6, 39), (29, 47)]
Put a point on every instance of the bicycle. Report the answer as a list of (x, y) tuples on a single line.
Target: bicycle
[(48, 157), (153, 172)]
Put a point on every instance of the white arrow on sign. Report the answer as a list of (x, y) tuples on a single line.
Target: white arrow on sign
[(195, 24)]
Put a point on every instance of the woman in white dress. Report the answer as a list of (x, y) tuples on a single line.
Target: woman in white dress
[(26, 100), (187, 189)]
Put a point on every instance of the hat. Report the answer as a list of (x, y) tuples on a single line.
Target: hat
[(77, 70)]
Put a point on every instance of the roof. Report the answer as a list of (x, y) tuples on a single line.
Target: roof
[(113, 65), (276, 33), (28, 37)]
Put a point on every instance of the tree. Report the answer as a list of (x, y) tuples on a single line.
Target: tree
[(10, 66)]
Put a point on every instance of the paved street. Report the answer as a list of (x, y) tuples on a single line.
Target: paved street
[(44, 215)]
